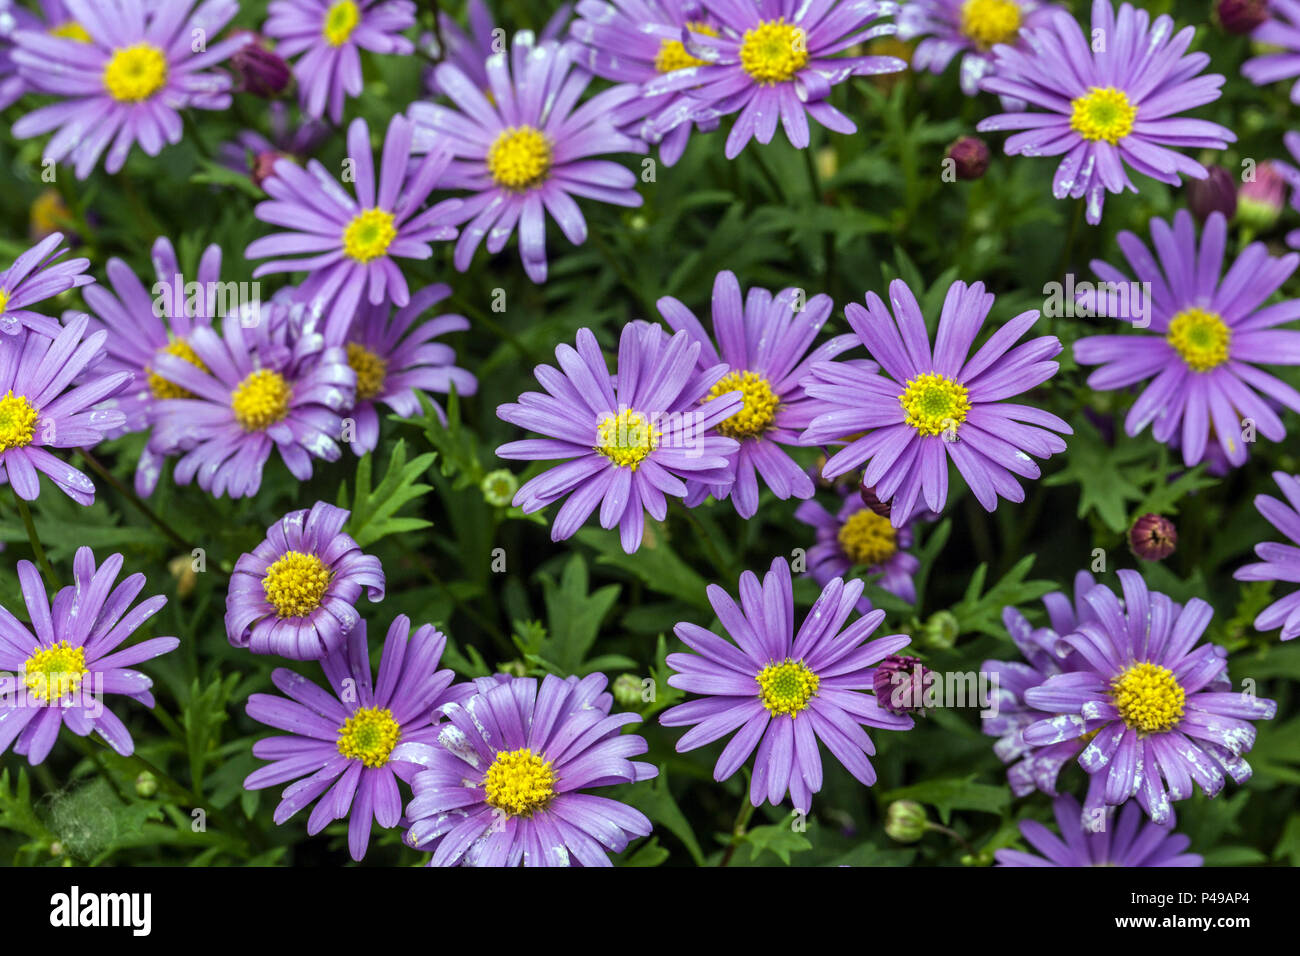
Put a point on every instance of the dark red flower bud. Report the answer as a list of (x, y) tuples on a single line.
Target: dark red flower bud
[(970, 155), (1240, 16), (900, 684), (1153, 537), (882, 508), (264, 166), (260, 71), (1218, 193)]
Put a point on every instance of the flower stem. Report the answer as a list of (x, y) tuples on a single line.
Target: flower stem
[(34, 539), (133, 498), (738, 828)]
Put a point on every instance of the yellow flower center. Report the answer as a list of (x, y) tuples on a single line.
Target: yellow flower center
[(519, 158), (162, 388), (17, 421), (868, 539), (72, 30), (935, 403), (135, 73), (786, 688), (756, 415), (52, 673), (369, 735), (4, 301), (1200, 338), (369, 235), (627, 438), (340, 21), (1104, 113), (370, 368), (989, 22), (261, 400), (774, 51), (295, 583), (1148, 698), (519, 782), (672, 54)]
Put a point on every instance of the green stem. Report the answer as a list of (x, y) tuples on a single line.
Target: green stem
[(738, 828), (133, 498), (1069, 238), (34, 539), (710, 546)]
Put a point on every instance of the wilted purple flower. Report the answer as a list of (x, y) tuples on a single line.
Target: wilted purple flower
[(928, 408), (900, 684), (35, 276), (971, 28), (857, 536), (1121, 840), (1281, 29), (69, 658), (1279, 562), (1110, 108), (340, 747), (781, 690), (252, 153), (1206, 330)]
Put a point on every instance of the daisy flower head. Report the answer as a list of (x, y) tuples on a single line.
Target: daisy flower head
[(926, 407), (267, 381), (764, 341), (35, 276), (1206, 334), (469, 52), (339, 746), (13, 17), (1279, 562), (327, 36), (780, 59), (350, 245), (39, 411), (69, 657), (1125, 841), (295, 594), (785, 692), (1104, 109), (1281, 31), (628, 439), (524, 149), (1029, 767), (1169, 718), (502, 783), (396, 359), (124, 77), (969, 28)]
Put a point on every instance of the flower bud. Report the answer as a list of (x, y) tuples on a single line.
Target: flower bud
[(899, 684), (970, 155), (515, 668), (182, 569), (499, 487), (146, 784), (1240, 16), (940, 630), (260, 71), (1260, 201), (264, 166), (627, 690), (882, 508), (1153, 537), (905, 821), (1217, 193)]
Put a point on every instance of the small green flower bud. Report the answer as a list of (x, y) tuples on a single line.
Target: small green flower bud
[(905, 821), (514, 668), (941, 630), (499, 487), (627, 690), (146, 785)]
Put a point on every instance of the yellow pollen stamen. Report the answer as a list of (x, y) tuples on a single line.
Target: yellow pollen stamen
[(1148, 697), (17, 421), (935, 404), (340, 21), (135, 73), (1200, 338), (989, 22), (161, 387), (53, 673), (868, 539), (774, 51), (786, 688), (369, 235), (295, 583), (72, 30), (519, 782), (261, 400), (627, 438), (370, 368), (369, 735), (759, 410), (4, 301), (519, 158), (1103, 113), (672, 54)]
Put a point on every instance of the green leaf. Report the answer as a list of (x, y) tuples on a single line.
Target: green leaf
[(983, 612), (373, 511), (654, 563), (779, 839), (655, 800), (574, 616), (1096, 469), (955, 794)]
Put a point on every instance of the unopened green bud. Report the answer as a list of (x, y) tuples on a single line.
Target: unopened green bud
[(146, 785), (499, 487), (627, 690), (905, 821), (941, 630), (514, 668)]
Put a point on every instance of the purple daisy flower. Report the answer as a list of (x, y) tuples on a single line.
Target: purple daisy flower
[(1107, 109), (1206, 332), (69, 658), (35, 276), (13, 17), (764, 342), (345, 741), (779, 59), (971, 28), (630, 438), (502, 785), (349, 245), (268, 381), (395, 360), (635, 41), (295, 594), (128, 82), (256, 155), (1281, 29), (1291, 175), (38, 410), (525, 152), (1279, 562), (1129, 842), (927, 408), (768, 676), (1169, 715), (470, 52), (1030, 767), (327, 37), (856, 536)]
